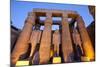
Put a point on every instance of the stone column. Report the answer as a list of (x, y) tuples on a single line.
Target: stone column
[(66, 40), (21, 46), (46, 40), (56, 41), (87, 45)]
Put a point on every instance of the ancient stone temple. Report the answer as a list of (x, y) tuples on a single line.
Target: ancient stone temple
[(70, 42)]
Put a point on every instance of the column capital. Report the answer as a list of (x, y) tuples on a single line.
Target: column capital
[(31, 18), (64, 18), (48, 18), (49, 15), (79, 18), (64, 15), (80, 21)]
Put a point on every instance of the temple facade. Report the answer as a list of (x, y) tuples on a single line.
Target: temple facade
[(71, 42)]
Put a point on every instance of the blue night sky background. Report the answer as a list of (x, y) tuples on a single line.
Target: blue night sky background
[(20, 9)]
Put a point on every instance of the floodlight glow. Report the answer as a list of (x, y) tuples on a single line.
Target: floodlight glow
[(22, 63)]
